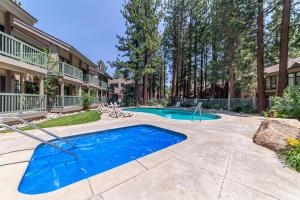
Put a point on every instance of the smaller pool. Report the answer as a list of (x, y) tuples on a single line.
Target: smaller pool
[(50, 169), (177, 114)]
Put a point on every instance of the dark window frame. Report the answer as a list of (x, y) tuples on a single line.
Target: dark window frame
[(297, 78)]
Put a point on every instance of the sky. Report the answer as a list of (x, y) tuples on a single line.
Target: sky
[(90, 26)]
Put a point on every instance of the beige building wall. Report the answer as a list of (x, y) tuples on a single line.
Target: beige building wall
[(2, 20)]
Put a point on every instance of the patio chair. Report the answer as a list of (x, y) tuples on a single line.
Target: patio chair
[(178, 104), (103, 109), (116, 105), (117, 113), (111, 105)]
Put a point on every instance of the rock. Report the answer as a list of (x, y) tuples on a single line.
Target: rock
[(273, 134)]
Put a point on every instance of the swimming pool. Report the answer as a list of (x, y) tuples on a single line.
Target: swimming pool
[(177, 114), (50, 169)]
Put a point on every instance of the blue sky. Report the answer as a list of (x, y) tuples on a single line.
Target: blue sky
[(90, 26)]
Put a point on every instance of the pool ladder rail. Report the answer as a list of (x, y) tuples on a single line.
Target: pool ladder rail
[(16, 116), (199, 107)]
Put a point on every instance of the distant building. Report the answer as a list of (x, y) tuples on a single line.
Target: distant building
[(272, 76), (117, 88)]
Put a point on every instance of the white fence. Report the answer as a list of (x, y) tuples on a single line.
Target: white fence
[(13, 103), (222, 103), (64, 101), (14, 48), (68, 70), (91, 80)]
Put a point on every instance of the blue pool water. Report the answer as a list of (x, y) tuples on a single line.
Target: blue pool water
[(50, 169), (175, 113)]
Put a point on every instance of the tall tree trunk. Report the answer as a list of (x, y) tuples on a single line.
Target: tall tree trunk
[(175, 60), (195, 66), (205, 73), (164, 93), (213, 70), (201, 73), (260, 57), (161, 80), (189, 72), (145, 91), (284, 47), (231, 92), (136, 91)]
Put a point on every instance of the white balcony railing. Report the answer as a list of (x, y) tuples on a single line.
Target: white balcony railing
[(103, 100), (95, 100), (103, 85), (64, 101), (14, 103), (14, 48), (91, 80), (68, 70)]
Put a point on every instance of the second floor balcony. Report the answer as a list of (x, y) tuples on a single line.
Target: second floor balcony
[(16, 49), (91, 80), (103, 85), (65, 69)]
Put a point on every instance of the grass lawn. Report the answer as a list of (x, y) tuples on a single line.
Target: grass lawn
[(81, 118)]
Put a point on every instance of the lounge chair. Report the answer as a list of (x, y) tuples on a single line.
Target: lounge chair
[(103, 109), (178, 104), (111, 105), (116, 105), (117, 113)]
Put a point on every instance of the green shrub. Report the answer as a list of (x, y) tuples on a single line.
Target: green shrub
[(128, 100), (86, 102), (243, 107), (291, 157), (186, 105), (170, 104), (287, 106), (156, 102)]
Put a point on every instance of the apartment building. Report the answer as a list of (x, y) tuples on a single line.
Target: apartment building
[(117, 88), (272, 76), (28, 56)]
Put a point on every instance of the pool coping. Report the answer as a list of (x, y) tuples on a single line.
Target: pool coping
[(204, 111)]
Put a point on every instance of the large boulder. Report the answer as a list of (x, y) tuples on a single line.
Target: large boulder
[(274, 134)]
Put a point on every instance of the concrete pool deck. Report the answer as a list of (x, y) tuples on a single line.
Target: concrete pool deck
[(217, 161)]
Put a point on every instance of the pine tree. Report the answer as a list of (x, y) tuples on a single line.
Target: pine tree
[(140, 44)]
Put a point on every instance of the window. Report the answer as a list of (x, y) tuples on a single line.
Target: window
[(2, 29), (273, 82), (66, 91), (268, 84), (297, 78), (291, 79), (62, 59), (2, 83)]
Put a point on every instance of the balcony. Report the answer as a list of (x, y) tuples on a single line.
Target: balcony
[(95, 100), (65, 101), (14, 48), (91, 80), (103, 85), (70, 71), (16, 103)]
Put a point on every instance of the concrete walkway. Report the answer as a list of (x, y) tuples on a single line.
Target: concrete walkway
[(218, 161)]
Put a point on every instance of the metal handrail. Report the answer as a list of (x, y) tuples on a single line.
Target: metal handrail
[(199, 106), (45, 131), (37, 138)]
